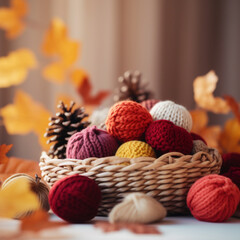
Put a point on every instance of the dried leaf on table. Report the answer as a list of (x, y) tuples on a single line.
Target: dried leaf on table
[(203, 88), (25, 115), (17, 198), (38, 221), (11, 18), (4, 149), (210, 134), (14, 67), (133, 227), (84, 87)]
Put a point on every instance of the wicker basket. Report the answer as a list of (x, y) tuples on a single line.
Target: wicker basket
[(167, 178)]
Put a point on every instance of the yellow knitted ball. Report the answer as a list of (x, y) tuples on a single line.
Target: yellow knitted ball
[(134, 149)]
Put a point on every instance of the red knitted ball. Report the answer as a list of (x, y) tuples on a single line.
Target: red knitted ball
[(164, 136), (75, 198), (234, 174), (91, 142), (230, 160), (197, 137), (213, 198), (128, 120)]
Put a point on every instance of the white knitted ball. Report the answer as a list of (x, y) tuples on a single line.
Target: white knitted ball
[(168, 110)]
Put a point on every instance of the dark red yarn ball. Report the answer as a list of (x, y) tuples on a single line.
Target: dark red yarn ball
[(230, 160), (234, 174), (75, 198), (197, 137), (164, 136)]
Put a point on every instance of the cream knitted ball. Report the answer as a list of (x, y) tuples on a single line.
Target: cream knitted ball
[(168, 110)]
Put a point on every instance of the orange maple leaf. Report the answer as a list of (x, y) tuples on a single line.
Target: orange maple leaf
[(84, 87), (24, 116), (210, 134), (203, 88), (4, 149), (38, 221), (11, 19), (14, 68), (57, 44)]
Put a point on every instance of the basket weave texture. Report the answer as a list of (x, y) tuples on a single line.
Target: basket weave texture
[(167, 178)]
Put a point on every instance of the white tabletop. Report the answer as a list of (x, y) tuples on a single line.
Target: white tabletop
[(172, 228)]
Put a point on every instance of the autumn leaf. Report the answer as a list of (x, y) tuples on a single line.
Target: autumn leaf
[(17, 198), (234, 105), (84, 87), (11, 19), (210, 134), (4, 149), (24, 116), (14, 68), (203, 87), (38, 221), (58, 45)]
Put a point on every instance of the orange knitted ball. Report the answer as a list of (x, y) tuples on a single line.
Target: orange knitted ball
[(213, 198), (128, 120)]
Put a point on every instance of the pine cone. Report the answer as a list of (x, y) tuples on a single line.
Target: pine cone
[(62, 127), (131, 88)]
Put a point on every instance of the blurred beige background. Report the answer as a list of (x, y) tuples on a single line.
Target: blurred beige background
[(169, 41)]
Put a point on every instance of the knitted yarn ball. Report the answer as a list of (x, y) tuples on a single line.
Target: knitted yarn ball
[(75, 198), (230, 160), (134, 149), (164, 136), (197, 137), (128, 120), (234, 174), (213, 198), (168, 110), (91, 142), (98, 117), (199, 145), (148, 104)]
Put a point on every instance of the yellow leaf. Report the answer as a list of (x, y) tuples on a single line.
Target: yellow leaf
[(17, 198), (24, 116), (55, 72), (4, 149), (230, 136), (11, 18), (14, 68), (203, 87)]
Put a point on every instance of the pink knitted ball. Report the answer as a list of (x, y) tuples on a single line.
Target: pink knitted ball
[(213, 198), (91, 142), (164, 136)]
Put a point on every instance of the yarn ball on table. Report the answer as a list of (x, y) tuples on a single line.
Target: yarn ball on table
[(128, 120), (91, 142), (234, 174), (75, 198), (168, 110), (164, 136), (213, 198), (230, 160), (148, 104), (134, 149)]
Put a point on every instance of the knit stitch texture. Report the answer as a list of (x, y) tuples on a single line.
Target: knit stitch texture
[(165, 137), (128, 120), (213, 198), (91, 142), (75, 198), (168, 110), (134, 149)]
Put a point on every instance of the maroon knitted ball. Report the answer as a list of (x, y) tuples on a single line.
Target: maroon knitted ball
[(234, 174), (197, 137), (91, 142), (148, 104), (164, 136), (230, 160), (75, 198)]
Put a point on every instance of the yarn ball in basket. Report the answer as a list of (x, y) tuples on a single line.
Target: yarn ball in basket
[(199, 145), (75, 198), (134, 149), (148, 104), (128, 120), (196, 136), (213, 198), (91, 142), (164, 136), (168, 110)]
